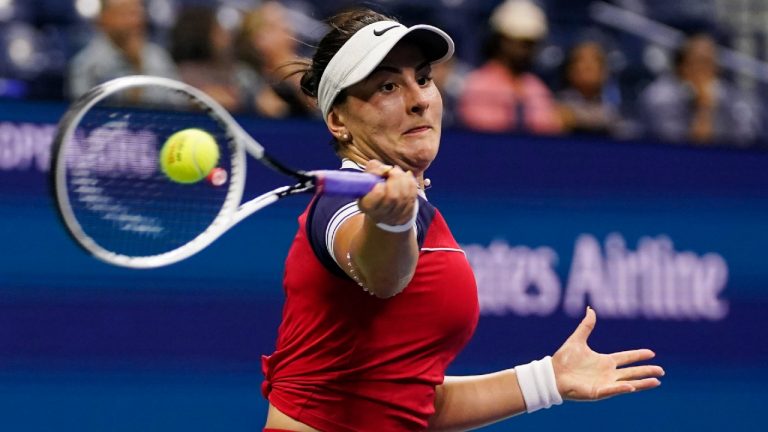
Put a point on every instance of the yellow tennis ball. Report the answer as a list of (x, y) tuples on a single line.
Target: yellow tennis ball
[(189, 155)]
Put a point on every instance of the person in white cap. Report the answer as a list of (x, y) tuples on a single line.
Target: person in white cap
[(379, 296), (503, 95)]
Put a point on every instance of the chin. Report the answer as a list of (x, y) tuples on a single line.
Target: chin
[(419, 153), (423, 159)]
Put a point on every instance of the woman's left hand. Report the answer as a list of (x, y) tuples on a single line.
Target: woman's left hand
[(583, 374)]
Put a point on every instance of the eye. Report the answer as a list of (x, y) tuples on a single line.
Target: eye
[(424, 80), (387, 87)]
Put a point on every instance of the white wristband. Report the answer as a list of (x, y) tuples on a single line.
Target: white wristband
[(537, 382), (404, 227)]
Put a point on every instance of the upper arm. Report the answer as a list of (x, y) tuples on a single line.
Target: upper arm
[(326, 218), (342, 241), (350, 246)]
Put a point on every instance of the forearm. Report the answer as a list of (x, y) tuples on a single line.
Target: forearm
[(463, 403), (383, 262), (378, 247), (575, 372)]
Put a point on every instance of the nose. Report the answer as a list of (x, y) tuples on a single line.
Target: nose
[(418, 99)]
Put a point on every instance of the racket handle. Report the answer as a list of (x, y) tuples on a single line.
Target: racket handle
[(346, 183)]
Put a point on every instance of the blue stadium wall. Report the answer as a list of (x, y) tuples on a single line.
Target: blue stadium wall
[(667, 243)]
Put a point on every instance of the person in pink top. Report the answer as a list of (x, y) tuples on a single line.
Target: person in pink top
[(503, 95)]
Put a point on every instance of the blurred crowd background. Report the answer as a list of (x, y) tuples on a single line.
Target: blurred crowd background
[(656, 217), (689, 72)]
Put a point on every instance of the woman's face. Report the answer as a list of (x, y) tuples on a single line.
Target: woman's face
[(587, 72), (699, 63), (395, 114), (518, 54), (122, 18)]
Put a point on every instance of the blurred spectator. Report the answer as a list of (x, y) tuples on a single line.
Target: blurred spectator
[(587, 104), (694, 104), (268, 44), (204, 52), (120, 47), (503, 95)]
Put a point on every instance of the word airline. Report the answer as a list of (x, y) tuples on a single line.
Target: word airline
[(654, 281)]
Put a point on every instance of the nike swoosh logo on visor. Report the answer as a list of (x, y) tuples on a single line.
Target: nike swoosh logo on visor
[(381, 32)]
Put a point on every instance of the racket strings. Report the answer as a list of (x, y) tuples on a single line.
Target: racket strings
[(117, 191)]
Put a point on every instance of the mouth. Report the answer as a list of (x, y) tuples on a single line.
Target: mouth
[(417, 130)]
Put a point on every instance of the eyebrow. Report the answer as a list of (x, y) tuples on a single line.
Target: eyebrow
[(385, 68)]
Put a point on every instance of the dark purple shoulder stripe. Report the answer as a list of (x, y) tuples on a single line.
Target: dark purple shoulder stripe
[(321, 212), (424, 220), (324, 208)]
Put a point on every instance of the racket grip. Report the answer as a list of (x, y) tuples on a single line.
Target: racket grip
[(346, 183)]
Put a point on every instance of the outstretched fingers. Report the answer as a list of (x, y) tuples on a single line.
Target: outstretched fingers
[(614, 390), (645, 383), (583, 374), (636, 372), (622, 387), (632, 356), (631, 379)]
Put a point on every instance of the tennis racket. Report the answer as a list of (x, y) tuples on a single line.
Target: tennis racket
[(114, 198)]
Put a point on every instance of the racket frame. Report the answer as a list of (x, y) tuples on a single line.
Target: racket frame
[(231, 211)]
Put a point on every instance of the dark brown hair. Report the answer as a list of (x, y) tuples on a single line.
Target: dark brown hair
[(191, 35), (343, 26)]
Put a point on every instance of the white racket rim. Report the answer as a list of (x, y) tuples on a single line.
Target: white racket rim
[(220, 224)]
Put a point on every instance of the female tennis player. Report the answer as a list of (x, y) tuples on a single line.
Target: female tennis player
[(379, 296)]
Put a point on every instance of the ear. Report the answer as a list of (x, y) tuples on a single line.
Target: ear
[(335, 123)]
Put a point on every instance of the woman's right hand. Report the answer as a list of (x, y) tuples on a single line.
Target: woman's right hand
[(393, 201), (381, 259)]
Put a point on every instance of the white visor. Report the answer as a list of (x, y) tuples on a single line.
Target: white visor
[(363, 52)]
